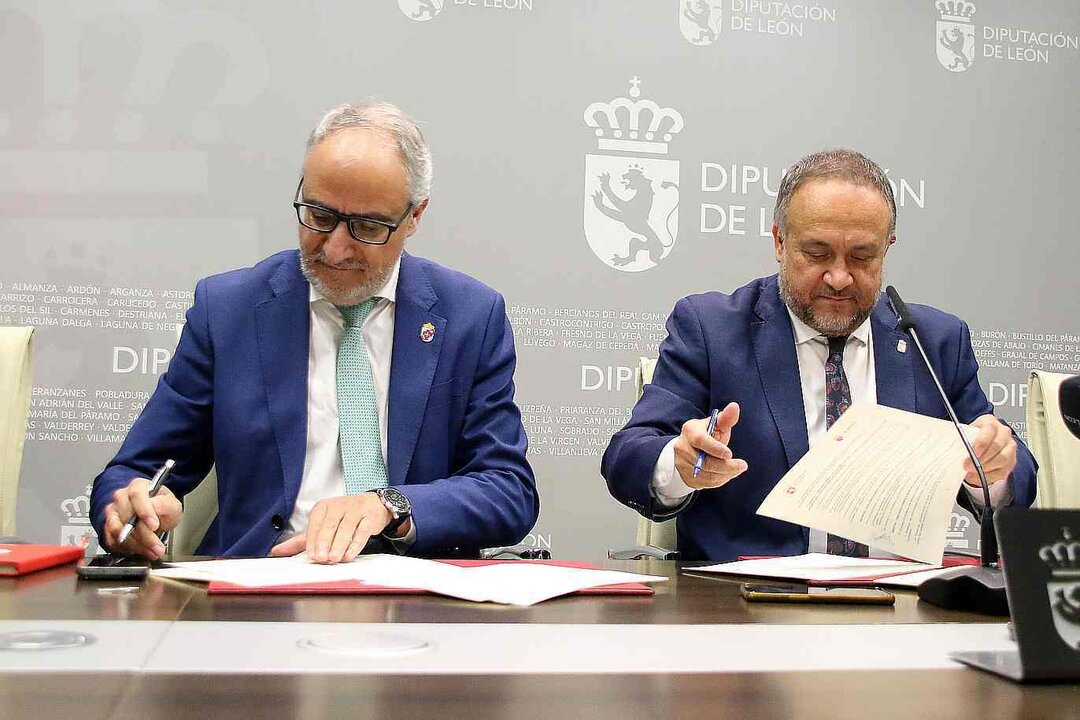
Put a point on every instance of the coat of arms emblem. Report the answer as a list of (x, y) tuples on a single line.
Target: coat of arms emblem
[(632, 195), (955, 35), (1063, 589)]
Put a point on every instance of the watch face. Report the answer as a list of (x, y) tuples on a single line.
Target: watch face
[(399, 503)]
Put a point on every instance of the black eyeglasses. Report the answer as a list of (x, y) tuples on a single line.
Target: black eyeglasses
[(364, 229)]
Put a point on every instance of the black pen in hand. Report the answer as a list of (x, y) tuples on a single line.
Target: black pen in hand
[(155, 485)]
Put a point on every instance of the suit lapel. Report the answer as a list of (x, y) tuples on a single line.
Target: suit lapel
[(283, 326), (894, 355), (774, 350), (412, 367)]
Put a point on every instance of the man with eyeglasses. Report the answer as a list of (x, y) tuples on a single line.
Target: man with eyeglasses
[(349, 395)]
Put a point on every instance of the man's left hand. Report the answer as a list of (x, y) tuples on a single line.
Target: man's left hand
[(338, 528), (995, 448)]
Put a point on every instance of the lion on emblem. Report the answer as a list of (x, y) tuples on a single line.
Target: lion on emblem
[(427, 9), (634, 213), (953, 39), (699, 13), (1067, 603)]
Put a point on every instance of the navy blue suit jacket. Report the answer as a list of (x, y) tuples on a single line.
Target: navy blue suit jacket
[(740, 347), (235, 397)]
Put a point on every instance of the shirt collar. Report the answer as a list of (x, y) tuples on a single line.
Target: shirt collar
[(387, 292), (804, 333)]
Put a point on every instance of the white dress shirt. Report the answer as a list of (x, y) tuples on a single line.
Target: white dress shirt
[(324, 475), (812, 350)]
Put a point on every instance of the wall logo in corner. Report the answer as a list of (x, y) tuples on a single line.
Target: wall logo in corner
[(420, 10), (700, 21), (955, 35), (632, 196)]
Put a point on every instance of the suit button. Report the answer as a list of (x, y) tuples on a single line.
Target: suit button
[(277, 522)]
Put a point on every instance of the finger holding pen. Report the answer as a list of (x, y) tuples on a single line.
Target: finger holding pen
[(141, 540), (142, 503), (135, 516), (710, 430), (718, 466)]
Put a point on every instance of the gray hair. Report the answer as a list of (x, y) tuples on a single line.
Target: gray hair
[(390, 119), (847, 165)]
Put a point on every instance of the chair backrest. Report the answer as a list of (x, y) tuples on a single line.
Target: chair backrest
[(15, 347), (200, 509), (661, 535), (1055, 448)]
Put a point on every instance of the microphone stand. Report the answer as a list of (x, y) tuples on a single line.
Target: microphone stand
[(981, 588), (988, 547)]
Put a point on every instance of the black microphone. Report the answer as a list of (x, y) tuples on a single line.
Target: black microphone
[(1069, 399), (982, 588), (906, 321)]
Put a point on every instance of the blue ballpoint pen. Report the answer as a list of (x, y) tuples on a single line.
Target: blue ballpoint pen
[(701, 454)]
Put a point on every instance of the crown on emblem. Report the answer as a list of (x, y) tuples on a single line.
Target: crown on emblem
[(634, 125), (1063, 556), (78, 508), (956, 10), (958, 524)]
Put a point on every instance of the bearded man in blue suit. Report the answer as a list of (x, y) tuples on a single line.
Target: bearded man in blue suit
[(771, 353), (344, 393)]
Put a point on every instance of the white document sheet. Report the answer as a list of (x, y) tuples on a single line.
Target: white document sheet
[(912, 580), (816, 566), (509, 583), (881, 476)]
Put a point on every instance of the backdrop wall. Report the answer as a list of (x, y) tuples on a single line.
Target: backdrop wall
[(144, 145)]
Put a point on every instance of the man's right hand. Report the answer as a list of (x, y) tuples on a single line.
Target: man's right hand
[(720, 466), (156, 514)]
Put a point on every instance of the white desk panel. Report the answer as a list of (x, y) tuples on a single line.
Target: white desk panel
[(498, 648), (117, 646), (251, 647)]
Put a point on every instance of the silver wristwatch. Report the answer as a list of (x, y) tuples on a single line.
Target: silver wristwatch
[(399, 506)]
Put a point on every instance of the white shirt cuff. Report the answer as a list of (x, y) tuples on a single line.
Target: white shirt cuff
[(1000, 494), (667, 487), (402, 544)]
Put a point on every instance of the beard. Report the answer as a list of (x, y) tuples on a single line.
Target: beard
[(374, 278), (834, 326)]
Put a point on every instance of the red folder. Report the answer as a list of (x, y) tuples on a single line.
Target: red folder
[(22, 559), (355, 587)]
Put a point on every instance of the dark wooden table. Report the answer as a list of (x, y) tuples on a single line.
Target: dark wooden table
[(58, 595)]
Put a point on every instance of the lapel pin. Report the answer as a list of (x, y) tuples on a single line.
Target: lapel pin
[(901, 346), (427, 332)]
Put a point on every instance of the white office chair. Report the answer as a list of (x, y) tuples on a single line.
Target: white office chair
[(1054, 447), (200, 509), (15, 347), (654, 539)]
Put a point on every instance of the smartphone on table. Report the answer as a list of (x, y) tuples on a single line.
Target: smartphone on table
[(113, 567), (762, 592)]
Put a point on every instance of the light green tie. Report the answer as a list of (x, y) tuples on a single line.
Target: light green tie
[(358, 417)]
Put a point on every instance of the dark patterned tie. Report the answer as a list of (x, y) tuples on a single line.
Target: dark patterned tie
[(837, 400)]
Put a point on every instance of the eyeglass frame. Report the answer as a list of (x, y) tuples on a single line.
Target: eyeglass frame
[(340, 217)]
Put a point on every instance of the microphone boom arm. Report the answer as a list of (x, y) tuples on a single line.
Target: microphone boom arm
[(988, 547)]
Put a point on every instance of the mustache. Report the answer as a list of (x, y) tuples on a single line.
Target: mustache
[(320, 257)]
